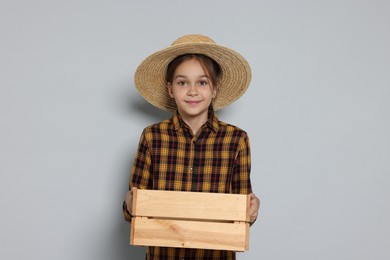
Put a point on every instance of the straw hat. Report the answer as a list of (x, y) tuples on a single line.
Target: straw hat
[(150, 75)]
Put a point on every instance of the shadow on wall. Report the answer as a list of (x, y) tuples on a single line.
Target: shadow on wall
[(140, 106)]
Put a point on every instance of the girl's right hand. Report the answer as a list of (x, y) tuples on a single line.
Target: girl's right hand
[(129, 199)]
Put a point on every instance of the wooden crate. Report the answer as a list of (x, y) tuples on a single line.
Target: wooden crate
[(190, 220)]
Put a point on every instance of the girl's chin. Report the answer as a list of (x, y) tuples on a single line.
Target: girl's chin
[(193, 112)]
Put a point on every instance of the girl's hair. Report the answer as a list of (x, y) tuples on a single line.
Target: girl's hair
[(210, 66)]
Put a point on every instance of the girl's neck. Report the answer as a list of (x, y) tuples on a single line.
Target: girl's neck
[(195, 123)]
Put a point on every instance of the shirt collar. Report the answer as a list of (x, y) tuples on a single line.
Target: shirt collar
[(212, 122)]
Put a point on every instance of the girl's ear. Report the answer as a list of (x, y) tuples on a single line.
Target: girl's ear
[(169, 87)]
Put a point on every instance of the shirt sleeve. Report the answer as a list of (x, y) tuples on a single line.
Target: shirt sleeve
[(141, 172), (241, 183)]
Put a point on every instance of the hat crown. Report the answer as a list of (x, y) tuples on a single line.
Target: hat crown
[(193, 38)]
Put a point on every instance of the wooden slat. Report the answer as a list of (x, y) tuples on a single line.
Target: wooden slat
[(193, 205), (190, 234)]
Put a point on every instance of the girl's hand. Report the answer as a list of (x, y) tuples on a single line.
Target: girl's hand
[(129, 199), (254, 207)]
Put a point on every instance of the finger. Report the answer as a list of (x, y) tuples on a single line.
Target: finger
[(132, 189)]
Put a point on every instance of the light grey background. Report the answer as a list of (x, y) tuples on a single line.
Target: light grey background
[(317, 112)]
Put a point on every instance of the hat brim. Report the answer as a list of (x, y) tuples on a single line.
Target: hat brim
[(150, 75)]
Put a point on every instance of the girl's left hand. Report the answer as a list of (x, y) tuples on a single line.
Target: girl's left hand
[(254, 207)]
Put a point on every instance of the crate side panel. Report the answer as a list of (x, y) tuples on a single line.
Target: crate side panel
[(190, 234)]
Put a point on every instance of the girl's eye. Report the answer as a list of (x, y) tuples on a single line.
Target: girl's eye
[(203, 82), (181, 83)]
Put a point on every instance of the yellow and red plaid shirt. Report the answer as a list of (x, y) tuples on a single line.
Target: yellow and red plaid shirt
[(169, 157)]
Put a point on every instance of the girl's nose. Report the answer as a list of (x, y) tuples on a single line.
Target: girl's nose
[(192, 91)]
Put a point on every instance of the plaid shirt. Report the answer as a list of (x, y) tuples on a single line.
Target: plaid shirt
[(169, 157)]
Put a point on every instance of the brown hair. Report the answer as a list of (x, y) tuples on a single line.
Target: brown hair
[(210, 66)]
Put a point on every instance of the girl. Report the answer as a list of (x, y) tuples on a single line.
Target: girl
[(193, 150)]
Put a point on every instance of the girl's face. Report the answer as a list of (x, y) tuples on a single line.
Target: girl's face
[(192, 90)]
